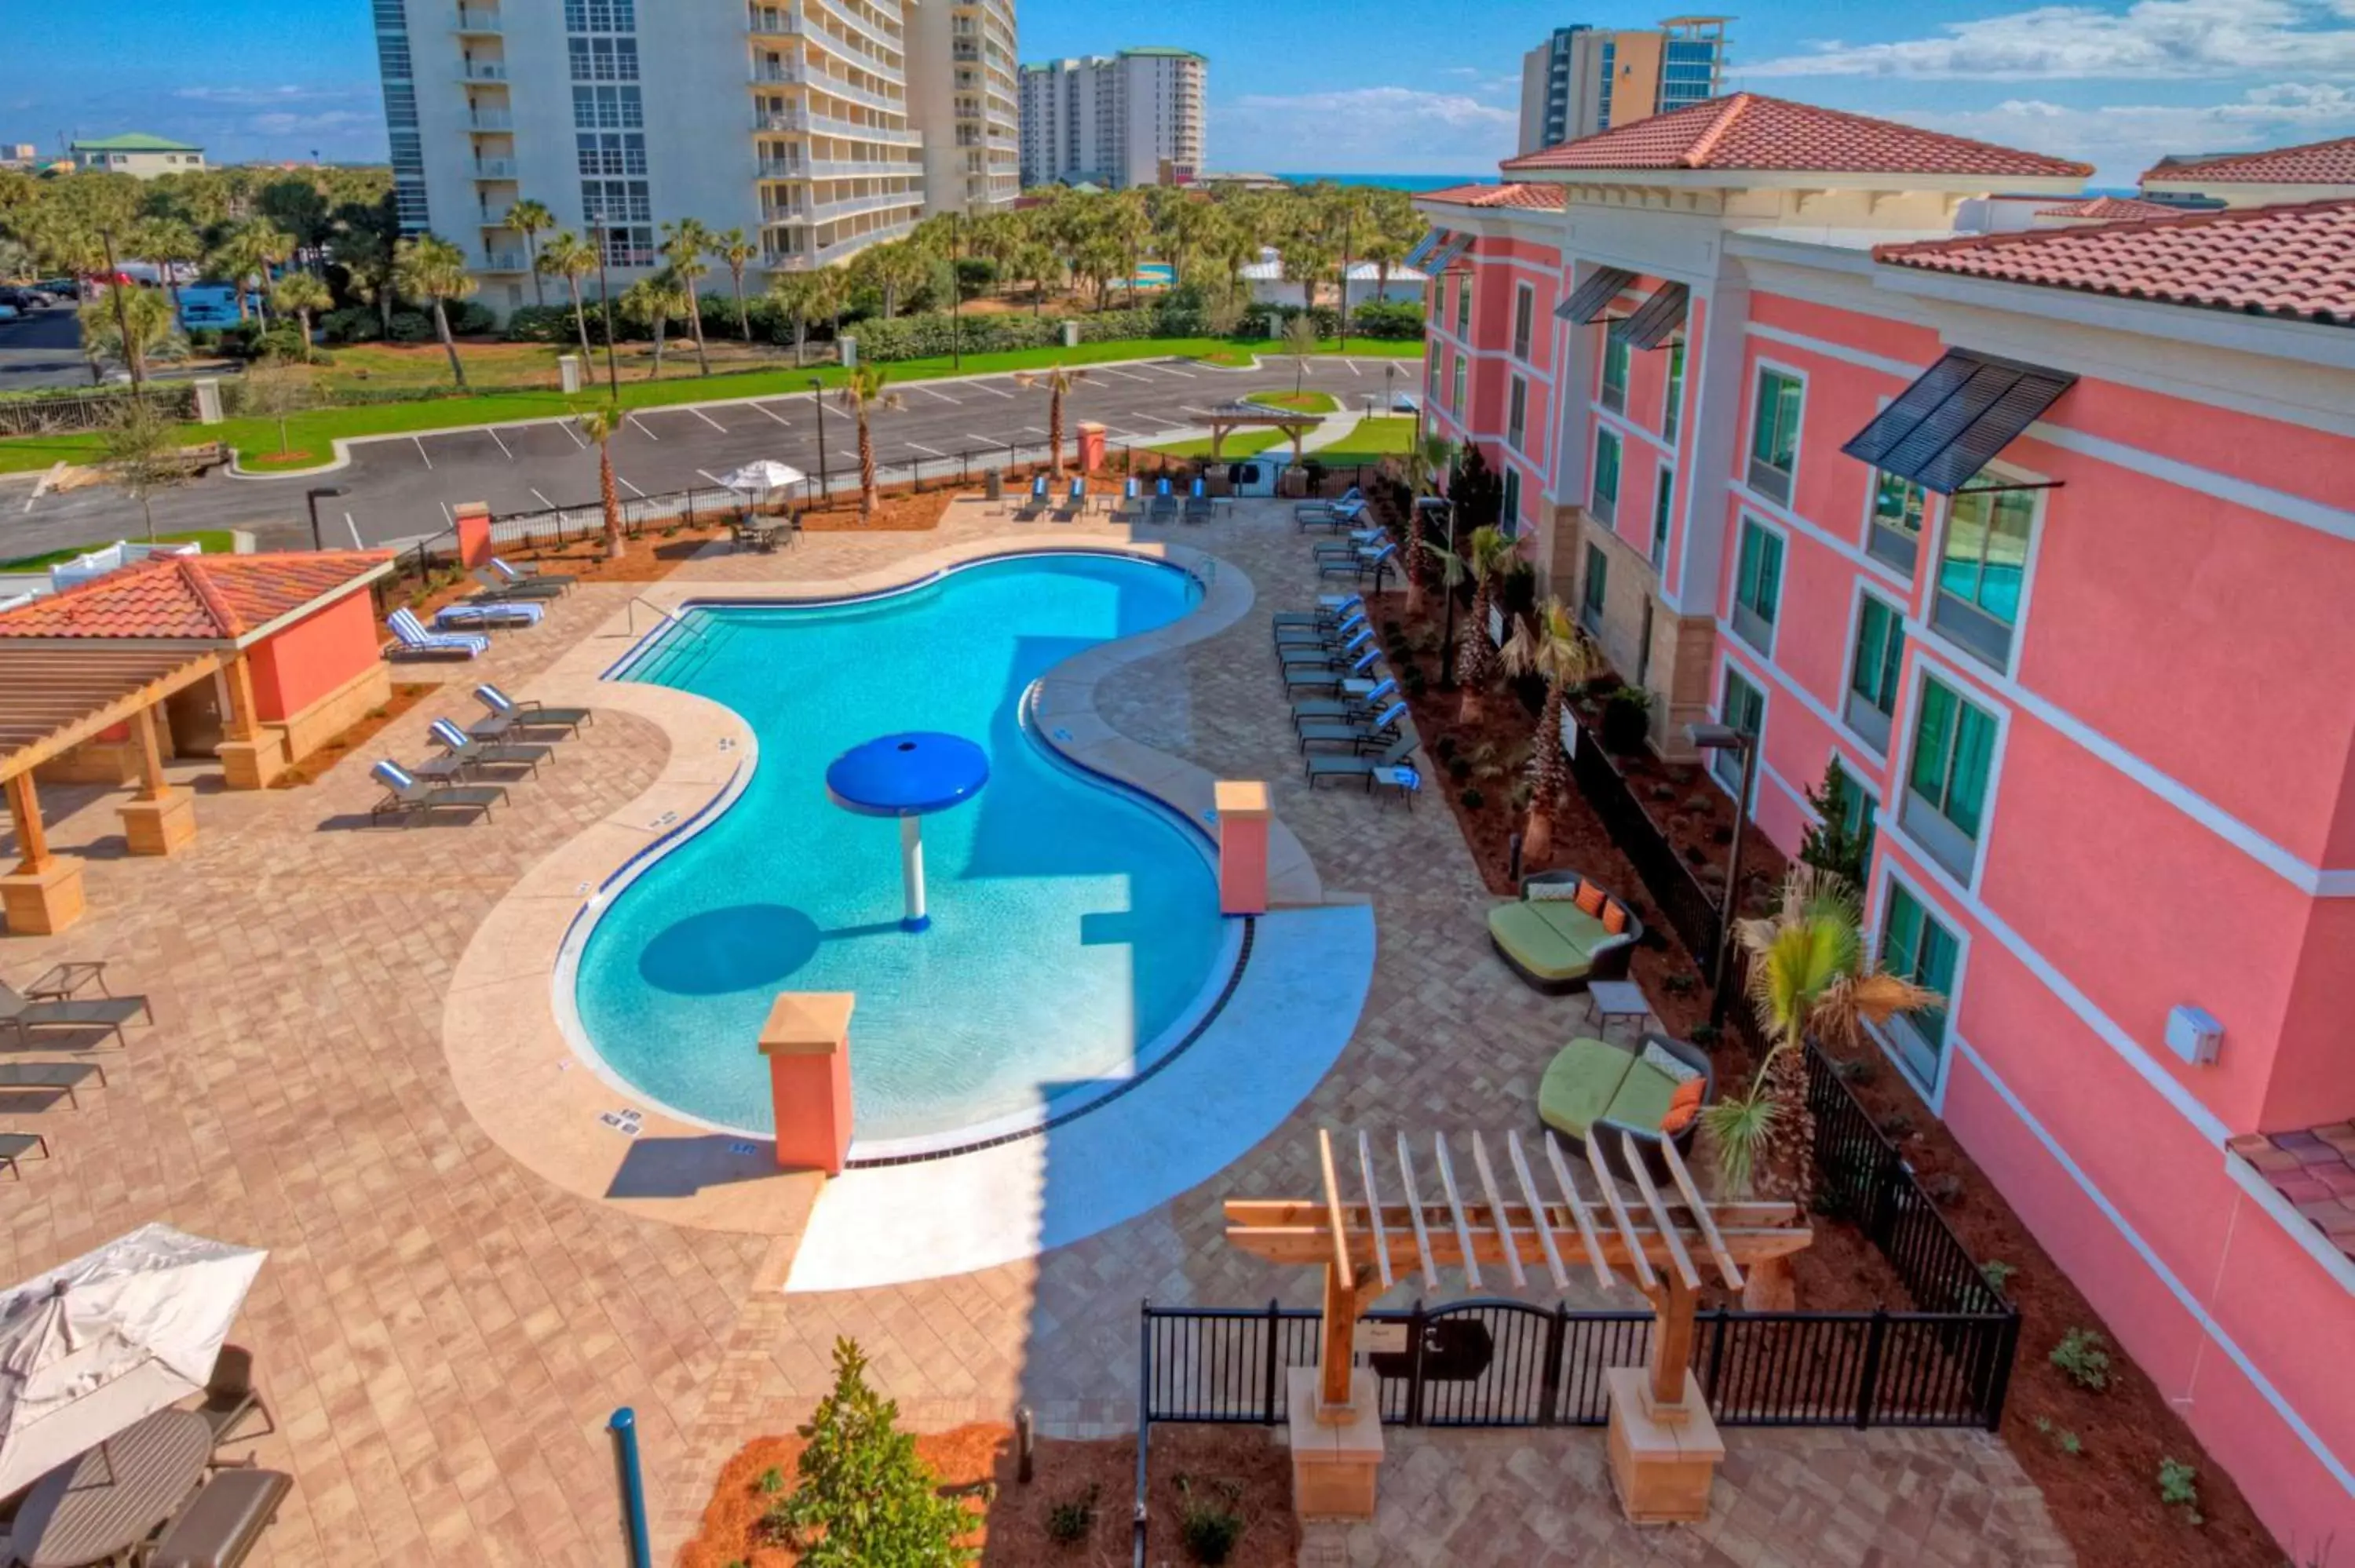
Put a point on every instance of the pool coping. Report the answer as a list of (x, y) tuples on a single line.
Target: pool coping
[(517, 1072)]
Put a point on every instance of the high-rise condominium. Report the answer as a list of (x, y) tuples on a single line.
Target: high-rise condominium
[(821, 126), (1115, 120), (1585, 78)]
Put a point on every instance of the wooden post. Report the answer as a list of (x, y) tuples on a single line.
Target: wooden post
[(25, 811), (158, 821), (153, 785), (1333, 1367), (43, 896), (238, 677), (1672, 1337), (251, 756)]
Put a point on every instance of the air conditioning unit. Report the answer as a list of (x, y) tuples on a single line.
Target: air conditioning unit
[(2194, 1034)]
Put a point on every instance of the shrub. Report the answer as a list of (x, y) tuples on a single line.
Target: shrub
[(547, 324), (411, 326), (1626, 718), (1070, 1521), (468, 318), (1209, 1528), (1998, 1272), (2178, 1487), (2068, 1442), (1471, 800), (1398, 319), (772, 1481), (2085, 1355), (864, 1495), (354, 323)]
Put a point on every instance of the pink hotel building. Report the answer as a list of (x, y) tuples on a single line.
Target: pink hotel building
[(1882, 445)]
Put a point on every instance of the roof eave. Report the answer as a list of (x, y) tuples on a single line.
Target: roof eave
[(1812, 180)]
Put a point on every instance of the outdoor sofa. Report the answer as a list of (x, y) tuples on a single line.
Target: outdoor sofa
[(1564, 930), (1627, 1090)]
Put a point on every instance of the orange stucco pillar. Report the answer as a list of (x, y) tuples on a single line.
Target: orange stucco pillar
[(1091, 447), (1243, 846), (43, 896), (473, 525), (807, 1043)]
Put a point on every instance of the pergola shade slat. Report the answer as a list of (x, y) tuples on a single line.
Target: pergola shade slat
[(51, 703)]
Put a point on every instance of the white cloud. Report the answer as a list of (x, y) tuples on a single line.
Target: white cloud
[(257, 97), (1400, 130), (2150, 40), (2121, 140)]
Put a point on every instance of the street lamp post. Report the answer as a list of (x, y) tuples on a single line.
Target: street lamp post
[(311, 498), (1447, 588), (1725, 738), (817, 412), (956, 295)]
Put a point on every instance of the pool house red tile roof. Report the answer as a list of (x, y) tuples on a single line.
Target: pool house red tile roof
[(2296, 262), (1536, 197), (2315, 1170), (2328, 163), (2111, 209), (1750, 130), (193, 598)]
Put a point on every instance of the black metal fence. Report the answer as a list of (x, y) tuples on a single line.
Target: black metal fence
[(1688, 907)]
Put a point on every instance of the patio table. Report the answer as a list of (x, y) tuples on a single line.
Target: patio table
[(106, 1502), (1618, 999), (63, 982)]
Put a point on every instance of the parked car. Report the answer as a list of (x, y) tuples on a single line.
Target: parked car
[(25, 300), (60, 288)]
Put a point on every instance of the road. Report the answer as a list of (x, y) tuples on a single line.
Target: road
[(42, 351), (401, 486)]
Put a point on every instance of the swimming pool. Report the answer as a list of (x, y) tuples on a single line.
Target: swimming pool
[(1076, 934)]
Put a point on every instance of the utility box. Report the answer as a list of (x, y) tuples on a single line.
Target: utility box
[(2194, 1034), (208, 402), (1070, 334), (567, 370), (849, 349)]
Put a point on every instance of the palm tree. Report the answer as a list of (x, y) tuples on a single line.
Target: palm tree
[(1128, 225), (1236, 244), (657, 299), (531, 219), (737, 250), (572, 259), (1183, 230), (1424, 463), (431, 268), (1035, 261), (297, 295), (366, 237), (894, 269), (251, 248), (171, 245), (1807, 976), (683, 246), (861, 395), (1058, 380), (1550, 646), (796, 293), (600, 425), (1485, 557), (130, 329), (829, 297)]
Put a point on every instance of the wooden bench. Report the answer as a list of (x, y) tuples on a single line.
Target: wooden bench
[(221, 1527)]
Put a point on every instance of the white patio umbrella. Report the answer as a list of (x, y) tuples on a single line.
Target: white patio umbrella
[(97, 1344), (760, 478)]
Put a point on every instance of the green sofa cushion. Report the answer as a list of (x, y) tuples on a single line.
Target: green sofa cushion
[(1583, 1081), (1572, 924), (1642, 1100), (1524, 931)]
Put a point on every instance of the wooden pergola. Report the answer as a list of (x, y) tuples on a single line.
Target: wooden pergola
[(1228, 418), (52, 699), (1661, 1236)]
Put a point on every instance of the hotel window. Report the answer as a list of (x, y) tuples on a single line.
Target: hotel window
[(1662, 510), (1895, 536), (1512, 510), (1672, 407), (1946, 786), (1855, 816), (1774, 435), (608, 109), (1914, 947), (1594, 590), (1615, 372), (1871, 704), (1516, 410), (1740, 706), (1758, 585), (604, 59), (1605, 500), (1982, 570), (1464, 306), (1455, 393), (1525, 300)]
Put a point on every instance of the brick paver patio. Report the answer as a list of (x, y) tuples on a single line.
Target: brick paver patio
[(443, 1335)]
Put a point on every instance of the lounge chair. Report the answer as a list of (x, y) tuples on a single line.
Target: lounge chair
[(1075, 500), (1198, 504), (1359, 564), (1311, 636), (1327, 677), (488, 613), (220, 1526), (1338, 513), (14, 1144), (529, 714), (231, 1396), (1563, 931), (1358, 539), (496, 588), (1131, 506), (67, 1076), (1034, 505), (1377, 734), (471, 753), (1327, 652), (1325, 614), (411, 640), (24, 1015), (1358, 765), (1311, 710), (529, 573), (405, 793), (1592, 1086)]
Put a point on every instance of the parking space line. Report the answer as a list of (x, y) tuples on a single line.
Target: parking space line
[(1030, 429), (986, 386), (421, 453), (1353, 368), (1123, 375), (990, 440), (356, 532), (543, 500), (633, 489), (709, 420), (941, 396), (642, 429), (779, 418), (492, 431), (1172, 370), (578, 439), (928, 451)]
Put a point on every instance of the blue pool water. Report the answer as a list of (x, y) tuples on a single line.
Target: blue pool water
[(1073, 924), (1150, 275)]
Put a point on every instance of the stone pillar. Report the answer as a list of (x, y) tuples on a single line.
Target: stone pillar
[(1663, 1444), (161, 819), (43, 896), (1336, 1454), (251, 756), (1091, 447), (1243, 822), (807, 1043), (474, 526)]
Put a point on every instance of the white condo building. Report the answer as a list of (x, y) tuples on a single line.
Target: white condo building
[(1113, 120), (823, 126)]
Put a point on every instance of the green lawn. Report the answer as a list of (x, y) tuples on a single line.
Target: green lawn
[(1240, 444), (1371, 441), (212, 541), (315, 433), (1298, 402)]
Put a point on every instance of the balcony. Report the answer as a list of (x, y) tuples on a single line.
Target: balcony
[(482, 119), (781, 169), (483, 70), (835, 86), (503, 262), (895, 42), (477, 22), (494, 168), (797, 121)]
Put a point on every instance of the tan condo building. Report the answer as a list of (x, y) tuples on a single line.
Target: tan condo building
[(1114, 120)]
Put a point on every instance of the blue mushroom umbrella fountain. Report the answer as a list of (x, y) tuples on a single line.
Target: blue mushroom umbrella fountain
[(908, 776)]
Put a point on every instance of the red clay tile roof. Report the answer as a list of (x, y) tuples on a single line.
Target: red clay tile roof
[(2313, 164), (1528, 196), (1748, 130), (2111, 209), (2314, 1170), (192, 597), (2293, 261)]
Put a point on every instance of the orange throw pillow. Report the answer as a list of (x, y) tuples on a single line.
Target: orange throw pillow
[(1678, 1119), (1614, 919), (1688, 1093), (1589, 898)]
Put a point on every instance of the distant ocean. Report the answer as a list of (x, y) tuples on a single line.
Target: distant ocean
[(1397, 182)]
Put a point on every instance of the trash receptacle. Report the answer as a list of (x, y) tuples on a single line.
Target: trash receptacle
[(993, 486)]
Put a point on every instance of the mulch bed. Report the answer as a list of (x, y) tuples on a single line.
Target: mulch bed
[(895, 513), (1010, 1518), (405, 696)]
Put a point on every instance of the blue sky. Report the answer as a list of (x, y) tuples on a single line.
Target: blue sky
[(1333, 84)]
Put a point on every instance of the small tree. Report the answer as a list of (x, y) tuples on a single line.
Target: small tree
[(1830, 846), (572, 259), (298, 294), (599, 425), (272, 392), (862, 394), (1550, 646), (864, 1497), (141, 453), (531, 219), (1483, 562), (736, 250), (432, 268), (1300, 342)]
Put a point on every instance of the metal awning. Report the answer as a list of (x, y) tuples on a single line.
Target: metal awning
[(1432, 240), (1956, 418), (54, 698), (1457, 246), (1656, 319), (1591, 298)]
